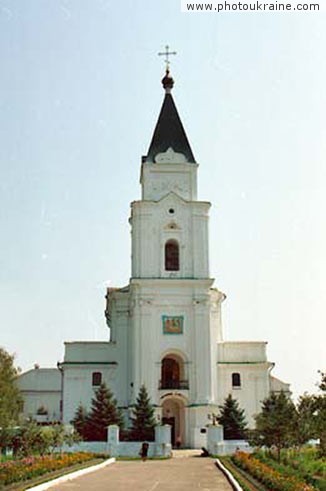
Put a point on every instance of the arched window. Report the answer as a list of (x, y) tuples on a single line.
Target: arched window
[(96, 379), (170, 374), (172, 255), (173, 373), (236, 380)]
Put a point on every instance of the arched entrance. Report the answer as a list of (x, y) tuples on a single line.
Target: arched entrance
[(173, 413)]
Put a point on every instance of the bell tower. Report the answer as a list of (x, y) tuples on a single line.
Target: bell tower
[(169, 221), (174, 310)]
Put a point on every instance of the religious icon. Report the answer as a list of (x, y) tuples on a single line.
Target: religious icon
[(172, 324)]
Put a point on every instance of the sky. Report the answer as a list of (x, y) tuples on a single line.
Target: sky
[(80, 96)]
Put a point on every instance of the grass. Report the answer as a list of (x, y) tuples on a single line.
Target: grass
[(5, 458), (25, 485)]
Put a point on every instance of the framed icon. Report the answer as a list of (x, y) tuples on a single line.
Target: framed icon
[(172, 324)]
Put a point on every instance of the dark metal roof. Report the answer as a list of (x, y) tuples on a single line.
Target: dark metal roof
[(169, 132)]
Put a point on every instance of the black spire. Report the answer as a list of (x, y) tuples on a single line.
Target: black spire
[(169, 131)]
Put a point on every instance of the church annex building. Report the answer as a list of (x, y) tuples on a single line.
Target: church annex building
[(165, 325)]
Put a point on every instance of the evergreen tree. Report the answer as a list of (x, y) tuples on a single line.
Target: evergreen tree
[(143, 419), (276, 424), (320, 414), (10, 397), (80, 421), (104, 412), (232, 418)]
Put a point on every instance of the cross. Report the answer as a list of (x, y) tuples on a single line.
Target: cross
[(167, 53)]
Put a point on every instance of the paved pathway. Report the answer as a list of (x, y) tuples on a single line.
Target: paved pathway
[(182, 473)]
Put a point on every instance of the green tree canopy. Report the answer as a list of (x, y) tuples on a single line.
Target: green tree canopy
[(104, 412), (312, 416), (276, 424), (80, 421), (143, 419), (306, 427), (10, 397), (320, 414), (233, 420)]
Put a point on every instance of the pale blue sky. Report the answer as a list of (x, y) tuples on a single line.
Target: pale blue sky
[(80, 95)]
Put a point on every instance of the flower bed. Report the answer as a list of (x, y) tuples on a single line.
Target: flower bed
[(269, 477), (15, 471), (304, 464)]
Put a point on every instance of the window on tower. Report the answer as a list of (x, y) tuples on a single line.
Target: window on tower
[(96, 379), (236, 380), (172, 255)]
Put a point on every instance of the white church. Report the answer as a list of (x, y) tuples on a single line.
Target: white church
[(165, 325)]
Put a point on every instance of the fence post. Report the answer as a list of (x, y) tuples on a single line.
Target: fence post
[(163, 440), (113, 440)]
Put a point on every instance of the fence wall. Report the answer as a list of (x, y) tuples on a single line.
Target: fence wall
[(113, 447)]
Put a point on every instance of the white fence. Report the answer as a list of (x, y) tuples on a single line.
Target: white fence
[(113, 447)]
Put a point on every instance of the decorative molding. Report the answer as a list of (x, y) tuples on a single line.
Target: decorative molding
[(241, 362), (170, 157), (89, 363), (172, 225)]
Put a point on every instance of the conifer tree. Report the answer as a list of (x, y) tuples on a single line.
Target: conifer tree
[(104, 412), (232, 417), (276, 424), (320, 424), (80, 421), (143, 419)]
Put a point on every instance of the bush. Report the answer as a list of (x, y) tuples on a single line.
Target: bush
[(269, 477)]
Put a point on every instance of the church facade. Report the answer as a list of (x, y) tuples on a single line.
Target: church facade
[(165, 325)]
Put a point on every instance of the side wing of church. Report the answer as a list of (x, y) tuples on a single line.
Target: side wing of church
[(165, 326)]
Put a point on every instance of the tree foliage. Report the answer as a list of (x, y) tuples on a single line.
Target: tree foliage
[(312, 416), (10, 397), (317, 414), (143, 419), (232, 418), (320, 414), (305, 429), (104, 412), (80, 420), (276, 424), (32, 439)]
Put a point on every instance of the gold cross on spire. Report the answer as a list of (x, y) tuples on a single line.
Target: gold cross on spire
[(167, 53)]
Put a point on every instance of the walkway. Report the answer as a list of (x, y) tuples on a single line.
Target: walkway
[(184, 473)]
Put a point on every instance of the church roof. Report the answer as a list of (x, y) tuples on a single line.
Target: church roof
[(169, 132)]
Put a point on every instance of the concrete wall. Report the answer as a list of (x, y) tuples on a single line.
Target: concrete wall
[(249, 360), (41, 387), (217, 446), (242, 351), (160, 448)]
